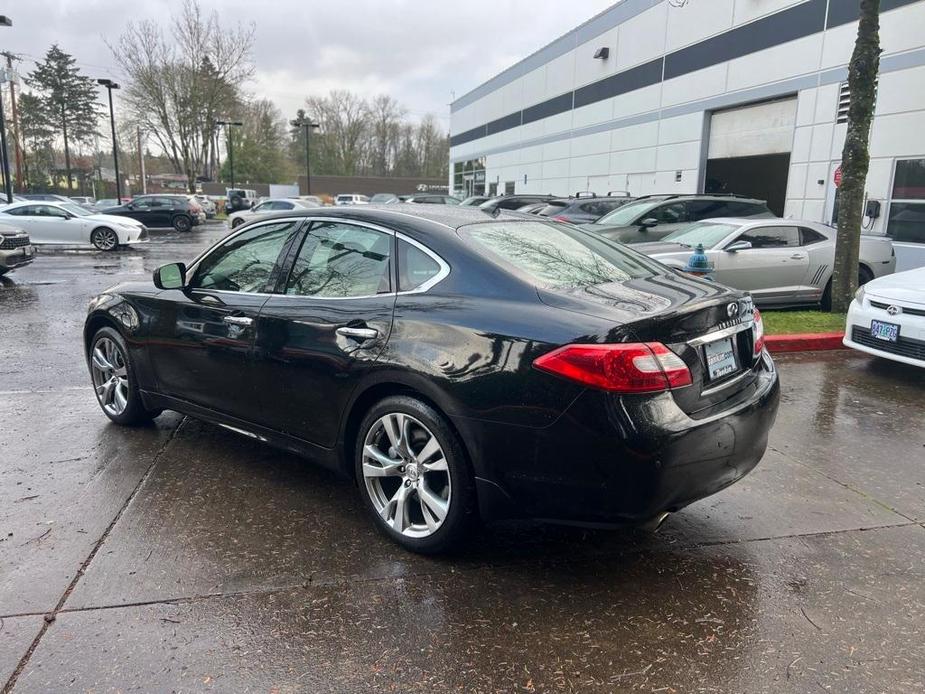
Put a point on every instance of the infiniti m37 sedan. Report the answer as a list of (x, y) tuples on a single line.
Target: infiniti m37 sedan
[(455, 363)]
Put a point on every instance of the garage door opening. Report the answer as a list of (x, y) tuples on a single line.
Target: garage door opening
[(763, 177), (749, 151)]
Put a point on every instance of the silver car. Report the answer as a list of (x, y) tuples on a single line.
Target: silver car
[(782, 262), (265, 208)]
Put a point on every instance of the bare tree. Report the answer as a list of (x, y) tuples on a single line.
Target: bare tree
[(344, 121), (386, 116), (183, 80), (862, 81)]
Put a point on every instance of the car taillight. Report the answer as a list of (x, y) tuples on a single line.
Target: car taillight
[(758, 333), (639, 367), (560, 218)]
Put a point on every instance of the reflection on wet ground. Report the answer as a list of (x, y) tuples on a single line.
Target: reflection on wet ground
[(183, 557)]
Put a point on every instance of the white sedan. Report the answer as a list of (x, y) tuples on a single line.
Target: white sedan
[(69, 223), (887, 318), (267, 207)]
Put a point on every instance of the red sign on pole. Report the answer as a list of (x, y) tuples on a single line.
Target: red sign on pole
[(837, 176)]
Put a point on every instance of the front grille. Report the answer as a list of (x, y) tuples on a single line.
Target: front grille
[(904, 347), (905, 309), (9, 242)]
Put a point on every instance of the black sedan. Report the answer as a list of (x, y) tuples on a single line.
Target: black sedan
[(455, 363)]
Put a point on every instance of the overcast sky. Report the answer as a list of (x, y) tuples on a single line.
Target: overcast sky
[(418, 51)]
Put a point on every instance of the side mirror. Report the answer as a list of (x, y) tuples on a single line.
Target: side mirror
[(172, 276), (130, 205), (648, 222), (738, 246)]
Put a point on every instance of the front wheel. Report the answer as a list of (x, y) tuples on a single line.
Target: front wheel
[(413, 475), (182, 223), (114, 379), (104, 239), (236, 223)]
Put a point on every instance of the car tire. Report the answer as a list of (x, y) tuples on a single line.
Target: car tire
[(109, 359), (104, 239), (235, 223), (182, 223), (406, 503), (864, 276)]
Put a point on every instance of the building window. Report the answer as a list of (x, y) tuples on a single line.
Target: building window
[(906, 221)]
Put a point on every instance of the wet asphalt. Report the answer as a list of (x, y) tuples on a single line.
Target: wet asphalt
[(182, 557)]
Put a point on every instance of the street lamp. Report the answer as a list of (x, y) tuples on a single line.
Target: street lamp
[(7, 183), (110, 85), (228, 124), (308, 125)]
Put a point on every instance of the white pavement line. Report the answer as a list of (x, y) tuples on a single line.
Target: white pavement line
[(41, 391), (51, 616)]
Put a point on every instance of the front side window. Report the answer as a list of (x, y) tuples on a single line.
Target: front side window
[(245, 262), (628, 214), (906, 221), (51, 211), (673, 213), (557, 256), (772, 237), (142, 203), (340, 260)]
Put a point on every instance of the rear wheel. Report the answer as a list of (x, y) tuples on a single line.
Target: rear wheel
[(413, 475), (104, 239), (864, 276), (182, 223), (114, 379), (236, 223)]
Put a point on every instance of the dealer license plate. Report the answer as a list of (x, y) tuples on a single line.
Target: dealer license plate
[(888, 332), (721, 358)]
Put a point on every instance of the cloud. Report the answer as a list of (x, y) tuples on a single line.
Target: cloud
[(418, 51)]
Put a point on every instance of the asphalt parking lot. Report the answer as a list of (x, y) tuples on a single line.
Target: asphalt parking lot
[(182, 557)]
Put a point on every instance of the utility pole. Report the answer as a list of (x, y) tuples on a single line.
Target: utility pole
[(17, 147), (7, 184), (309, 126), (110, 85), (229, 124), (141, 165)]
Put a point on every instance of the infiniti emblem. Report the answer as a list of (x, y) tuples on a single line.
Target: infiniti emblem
[(894, 310), (732, 310)]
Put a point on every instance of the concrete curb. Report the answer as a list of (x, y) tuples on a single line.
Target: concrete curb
[(804, 342)]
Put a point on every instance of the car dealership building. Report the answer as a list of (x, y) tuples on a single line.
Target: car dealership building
[(717, 96)]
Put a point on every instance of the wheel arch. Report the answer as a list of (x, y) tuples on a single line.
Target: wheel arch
[(367, 396)]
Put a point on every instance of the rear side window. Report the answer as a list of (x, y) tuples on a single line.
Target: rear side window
[(557, 256), (553, 208), (415, 267), (808, 237), (705, 209), (772, 237)]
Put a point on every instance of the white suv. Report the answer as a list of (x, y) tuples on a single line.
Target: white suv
[(351, 199)]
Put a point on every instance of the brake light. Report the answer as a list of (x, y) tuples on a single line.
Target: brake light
[(758, 333), (639, 367), (560, 218)]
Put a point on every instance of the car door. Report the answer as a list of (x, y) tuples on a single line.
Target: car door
[(773, 269), (139, 209), (201, 337), (669, 217), (326, 326), (54, 226), (25, 218)]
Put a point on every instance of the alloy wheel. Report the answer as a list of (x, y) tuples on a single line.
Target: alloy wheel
[(105, 239), (406, 475), (110, 376)]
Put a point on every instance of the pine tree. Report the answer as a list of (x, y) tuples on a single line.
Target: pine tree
[(69, 100)]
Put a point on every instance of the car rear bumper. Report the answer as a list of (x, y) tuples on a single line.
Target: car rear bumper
[(624, 459)]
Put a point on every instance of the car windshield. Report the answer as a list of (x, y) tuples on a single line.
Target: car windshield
[(75, 209), (707, 233), (557, 256), (625, 214), (383, 197)]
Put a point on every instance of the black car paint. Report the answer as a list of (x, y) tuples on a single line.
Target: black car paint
[(539, 445), (157, 216)]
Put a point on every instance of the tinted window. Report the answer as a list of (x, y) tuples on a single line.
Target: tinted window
[(672, 213), (557, 255), (749, 209), (705, 209), (771, 237), (244, 263), (341, 260), (552, 208), (808, 237), (141, 203), (24, 211), (909, 180), (415, 266)]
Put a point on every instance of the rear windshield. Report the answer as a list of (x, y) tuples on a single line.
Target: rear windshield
[(556, 256), (552, 208)]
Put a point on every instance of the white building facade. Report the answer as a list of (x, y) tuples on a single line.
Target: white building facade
[(736, 96)]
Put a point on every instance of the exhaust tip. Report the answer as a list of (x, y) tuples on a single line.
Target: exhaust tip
[(653, 524)]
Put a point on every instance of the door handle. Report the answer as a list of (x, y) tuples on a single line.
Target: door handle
[(241, 321), (359, 333), (797, 256)]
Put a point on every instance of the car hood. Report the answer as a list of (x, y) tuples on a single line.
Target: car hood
[(656, 248), (908, 286), (114, 219), (8, 230)]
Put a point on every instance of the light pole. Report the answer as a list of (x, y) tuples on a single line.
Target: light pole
[(110, 85), (228, 125), (7, 183), (308, 125)]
